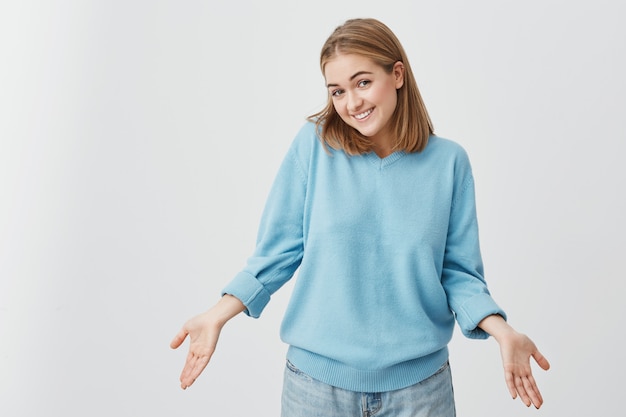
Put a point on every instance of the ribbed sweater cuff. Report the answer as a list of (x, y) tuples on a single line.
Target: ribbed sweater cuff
[(473, 311), (250, 292)]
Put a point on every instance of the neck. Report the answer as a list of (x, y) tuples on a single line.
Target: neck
[(382, 149), (382, 144)]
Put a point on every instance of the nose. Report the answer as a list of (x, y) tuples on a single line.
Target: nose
[(354, 102)]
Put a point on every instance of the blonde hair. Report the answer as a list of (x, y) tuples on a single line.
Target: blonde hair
[(372, 39)]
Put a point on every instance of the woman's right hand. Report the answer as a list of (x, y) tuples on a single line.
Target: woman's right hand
[(203, 331)]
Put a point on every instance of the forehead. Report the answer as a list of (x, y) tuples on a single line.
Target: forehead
[(343, 66)]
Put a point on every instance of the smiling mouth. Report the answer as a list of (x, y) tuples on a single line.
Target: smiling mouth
[(363, 115)]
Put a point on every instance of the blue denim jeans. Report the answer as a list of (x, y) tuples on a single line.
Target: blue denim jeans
[(304, 396)]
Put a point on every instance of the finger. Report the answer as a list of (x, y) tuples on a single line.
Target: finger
[(521, 390), (541, 360), (193, 368), (510, 384), (185, 376), (178, 339), (531, 388), (199, 365)]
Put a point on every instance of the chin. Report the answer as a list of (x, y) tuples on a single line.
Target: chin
[(368, 133)]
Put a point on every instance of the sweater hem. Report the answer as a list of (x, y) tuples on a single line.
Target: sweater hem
[(341, 375)]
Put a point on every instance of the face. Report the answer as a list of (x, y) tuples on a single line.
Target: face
[(364, 95)]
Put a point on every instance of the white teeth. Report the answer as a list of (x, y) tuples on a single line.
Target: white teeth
[(363, 115)]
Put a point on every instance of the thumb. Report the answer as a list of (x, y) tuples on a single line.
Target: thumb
[(178, 339), (541, 361)]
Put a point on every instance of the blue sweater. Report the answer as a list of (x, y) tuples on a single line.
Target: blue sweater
[(388, 257)]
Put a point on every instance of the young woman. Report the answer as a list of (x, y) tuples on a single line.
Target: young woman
[(379, 216)]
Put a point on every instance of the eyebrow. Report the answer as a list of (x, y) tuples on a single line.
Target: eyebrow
[(351, 78)]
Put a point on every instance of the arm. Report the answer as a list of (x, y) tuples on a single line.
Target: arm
[(280, 238), (278, 254), (203, 331), (463, 272), (516, 350), (477, 313)]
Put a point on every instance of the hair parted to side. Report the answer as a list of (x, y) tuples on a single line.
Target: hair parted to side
[(374, 40)]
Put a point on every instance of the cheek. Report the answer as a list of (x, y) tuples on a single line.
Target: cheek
[(341, 110), (394, 100), (388, 95), (389, 102)]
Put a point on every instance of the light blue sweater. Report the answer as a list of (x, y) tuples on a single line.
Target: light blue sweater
[(388, 256)]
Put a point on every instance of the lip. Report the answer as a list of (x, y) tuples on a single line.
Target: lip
[(364, 115)]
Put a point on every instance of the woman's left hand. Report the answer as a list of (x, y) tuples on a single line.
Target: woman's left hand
[(516, 350)]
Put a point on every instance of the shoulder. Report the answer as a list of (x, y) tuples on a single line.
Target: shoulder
[(307, 135), (444, 149), (305, 147), (306, 139), (445, 145)]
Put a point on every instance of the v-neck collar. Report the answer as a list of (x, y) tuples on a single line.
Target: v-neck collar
[(386, 161)]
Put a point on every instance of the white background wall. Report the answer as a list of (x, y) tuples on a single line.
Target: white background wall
[(138, 140)]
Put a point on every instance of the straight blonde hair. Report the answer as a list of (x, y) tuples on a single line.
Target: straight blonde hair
[(374, 40)]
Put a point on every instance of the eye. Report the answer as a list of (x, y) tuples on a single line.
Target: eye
[(363, 83), (336, 93)]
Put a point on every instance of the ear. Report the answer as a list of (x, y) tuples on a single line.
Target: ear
[(398, 73)]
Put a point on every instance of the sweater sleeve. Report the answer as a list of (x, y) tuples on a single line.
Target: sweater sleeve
[(462, 275), (279, 245)]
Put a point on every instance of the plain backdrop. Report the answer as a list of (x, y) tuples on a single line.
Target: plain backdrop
[(138, 141)]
